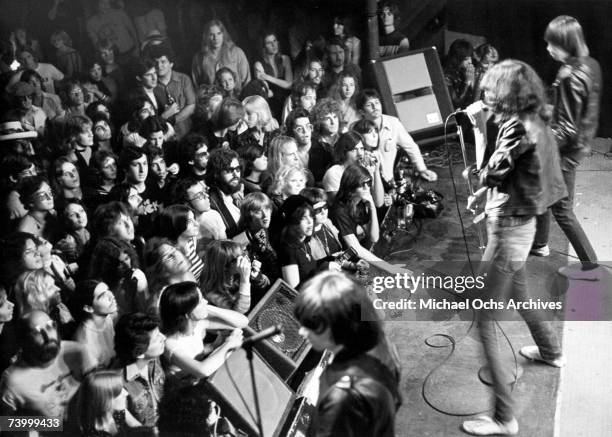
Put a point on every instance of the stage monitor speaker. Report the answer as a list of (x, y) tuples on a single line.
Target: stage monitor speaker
[(286, 351), (413, 89), (236, 397)]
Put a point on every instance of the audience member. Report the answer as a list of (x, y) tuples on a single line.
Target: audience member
[(390, 40), (223, 176)]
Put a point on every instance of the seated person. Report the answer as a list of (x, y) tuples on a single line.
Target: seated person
[(186, 317)]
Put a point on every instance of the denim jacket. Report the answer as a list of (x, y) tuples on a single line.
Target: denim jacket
[(523, 173)]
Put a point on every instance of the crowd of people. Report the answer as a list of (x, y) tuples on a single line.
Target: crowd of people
[(145, 211)]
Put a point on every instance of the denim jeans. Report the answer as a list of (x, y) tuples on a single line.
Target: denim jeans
[(563, 211), (508, 245)]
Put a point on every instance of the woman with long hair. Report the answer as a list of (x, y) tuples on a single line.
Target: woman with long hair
[(102, 405), (459, 73), (262, 127), (19, 254), (275, 69), (354, 214), (218, 50), (576, 99), (226, 282), (345, 91), (521, 179), (186, 317), (164, 265), (288, 181), (255, 171)]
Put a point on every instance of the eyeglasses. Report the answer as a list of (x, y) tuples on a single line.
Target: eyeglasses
[(320, 209), (201, 195), (235, 169), (44, 195), (366, 184), (202, 155), (303, 129)]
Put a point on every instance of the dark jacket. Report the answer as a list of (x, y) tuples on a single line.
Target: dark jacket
[(358, 397), (576, 99), (524, 172), (216, 203)]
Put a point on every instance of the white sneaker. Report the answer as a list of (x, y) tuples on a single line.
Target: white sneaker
[(484, 425), (540, 251), (533, 353)]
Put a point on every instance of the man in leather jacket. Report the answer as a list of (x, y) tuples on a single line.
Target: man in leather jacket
[(358, 391), (576, 99)]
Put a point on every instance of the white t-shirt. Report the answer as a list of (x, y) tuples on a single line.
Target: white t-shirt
[(186, 345), (100, 343), (211, 225), (331, 179)]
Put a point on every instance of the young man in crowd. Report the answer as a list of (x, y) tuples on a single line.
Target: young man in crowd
[(299, 127), (326, 115), (223, 176), (391, 135)]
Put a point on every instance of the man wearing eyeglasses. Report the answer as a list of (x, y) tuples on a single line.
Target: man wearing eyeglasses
[(47, 373), (224, 179)]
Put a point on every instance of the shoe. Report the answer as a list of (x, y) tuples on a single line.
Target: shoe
[(575, 271), (533, 353), (540, 251), (484, 425)]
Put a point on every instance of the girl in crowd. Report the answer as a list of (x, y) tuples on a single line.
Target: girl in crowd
[(67, 59), (186, 317), (354, 213), (255, 168), (79, 137), (36, 290), (103, 132), (218, 50), (66, 182), (297, 262), (459, 73), (255, 220), (102, 403), (164, 265), (227, 80), (76, 235), (348, 150), (324, 242), (37, 197), (19, 254), (104, 166), (72, 96), (49, 103), (226, 282), (344, 92), (274, 68), (262, 127), (337, 315), (288, 181), (178, 224), (341, 29), (95, 306)]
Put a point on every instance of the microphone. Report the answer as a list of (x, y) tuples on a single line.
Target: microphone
[(266, 333)]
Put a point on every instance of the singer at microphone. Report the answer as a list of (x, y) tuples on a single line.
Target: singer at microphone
[(266, 333)]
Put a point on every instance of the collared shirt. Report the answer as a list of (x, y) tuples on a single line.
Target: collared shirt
[(228, 200), (144, 393), (392, 134), (181, 89)]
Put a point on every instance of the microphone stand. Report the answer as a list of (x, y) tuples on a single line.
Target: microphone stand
[(249, 354)]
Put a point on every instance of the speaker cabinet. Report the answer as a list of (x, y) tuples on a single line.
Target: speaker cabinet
[(286, 351), (413, 89), (232, 387)]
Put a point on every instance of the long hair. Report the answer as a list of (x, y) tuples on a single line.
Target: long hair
[(275, 152), (346, 142), (281, 178), (96, 396), (513, 88), (333, 300), (335, 91), (105, 263), (566, 32), (457, 52), (227, 39), (12, 248), (218, 259), (177, 301), (352, 178), (83, 296), (259, 105), (31, 293), (252, 203), (248, 155), (57, 172)]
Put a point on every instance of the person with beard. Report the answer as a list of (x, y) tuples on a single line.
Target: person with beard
[(133, 161), (223, 177), (195, 194), (192, 156), (336, 52), (47, 372)]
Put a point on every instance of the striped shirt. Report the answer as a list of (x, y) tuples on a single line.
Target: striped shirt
[(197, 265)]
